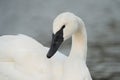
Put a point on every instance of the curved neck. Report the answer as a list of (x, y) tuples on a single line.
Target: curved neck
[(79, 44)]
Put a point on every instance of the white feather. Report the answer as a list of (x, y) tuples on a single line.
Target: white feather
[(24, 58)]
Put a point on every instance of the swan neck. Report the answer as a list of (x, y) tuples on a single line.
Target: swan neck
[(79, 44)]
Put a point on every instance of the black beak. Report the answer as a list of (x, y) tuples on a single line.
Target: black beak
[(57, 40)]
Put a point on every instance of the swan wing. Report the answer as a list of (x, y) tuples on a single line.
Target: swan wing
[(23, 58)]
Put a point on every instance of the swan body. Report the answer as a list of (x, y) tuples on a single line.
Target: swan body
[(23, 58)]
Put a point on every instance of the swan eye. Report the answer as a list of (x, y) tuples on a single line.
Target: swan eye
[(63, 26)]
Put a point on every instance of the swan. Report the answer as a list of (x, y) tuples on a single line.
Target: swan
[(24, 58)]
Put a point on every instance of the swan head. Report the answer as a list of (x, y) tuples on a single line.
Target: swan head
[(64, 26)]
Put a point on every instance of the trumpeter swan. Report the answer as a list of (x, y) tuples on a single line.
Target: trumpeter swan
[(23, 58)]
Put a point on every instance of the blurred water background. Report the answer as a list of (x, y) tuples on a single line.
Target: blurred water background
[(102, 19)]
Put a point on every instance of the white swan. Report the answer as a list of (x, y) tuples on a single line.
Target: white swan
[(23, 58)]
